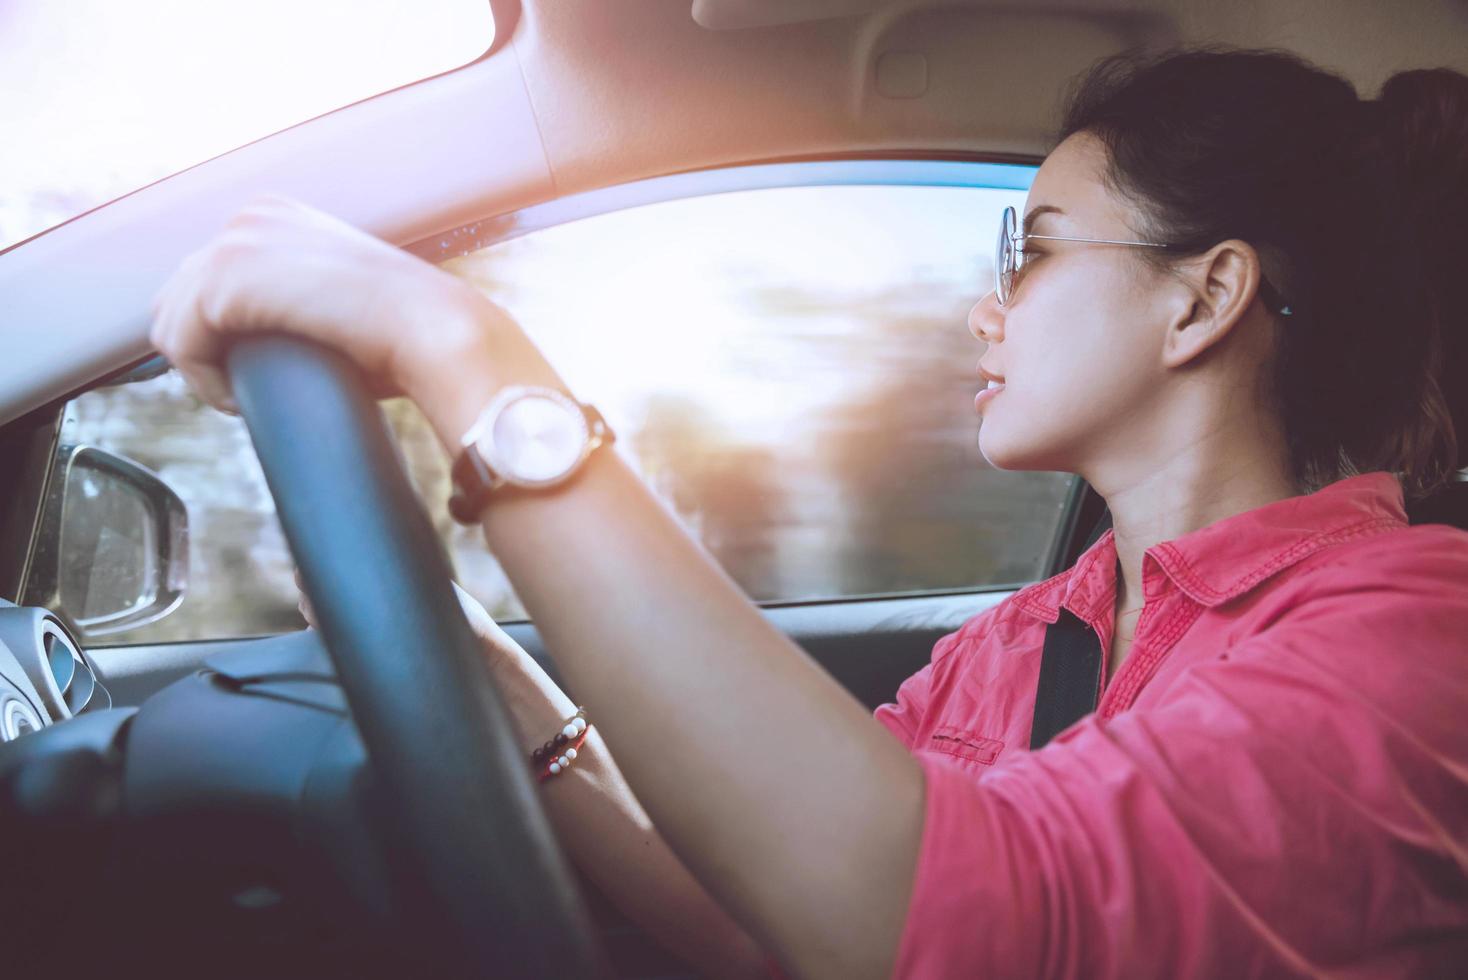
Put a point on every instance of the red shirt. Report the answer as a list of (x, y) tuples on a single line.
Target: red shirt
[(1274, 783)]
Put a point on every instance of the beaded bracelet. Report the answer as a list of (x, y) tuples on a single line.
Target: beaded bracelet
[(563, 761), (558, 760), (557, 755)]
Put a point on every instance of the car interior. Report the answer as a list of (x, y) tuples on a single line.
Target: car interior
[(236, 802)]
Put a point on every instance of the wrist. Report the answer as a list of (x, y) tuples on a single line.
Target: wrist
[(470, 349), (534, 699)]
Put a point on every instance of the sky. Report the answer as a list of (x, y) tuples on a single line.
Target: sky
[(101, 97)]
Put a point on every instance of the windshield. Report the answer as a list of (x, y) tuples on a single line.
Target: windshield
[(99, 98)]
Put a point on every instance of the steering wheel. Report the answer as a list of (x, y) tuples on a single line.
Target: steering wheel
[(456, 788)]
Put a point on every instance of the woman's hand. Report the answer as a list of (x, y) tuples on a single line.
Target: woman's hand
[(283, 267)]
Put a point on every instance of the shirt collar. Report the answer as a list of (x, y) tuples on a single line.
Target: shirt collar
[(1229, 557)]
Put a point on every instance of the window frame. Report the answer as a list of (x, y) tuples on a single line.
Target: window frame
[(1010, 174)]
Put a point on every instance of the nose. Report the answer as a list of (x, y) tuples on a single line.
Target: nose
[(986, 319)]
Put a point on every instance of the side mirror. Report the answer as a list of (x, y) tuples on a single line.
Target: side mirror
[(112, 553)]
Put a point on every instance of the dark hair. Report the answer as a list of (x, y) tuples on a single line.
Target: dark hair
[(1359, 213)]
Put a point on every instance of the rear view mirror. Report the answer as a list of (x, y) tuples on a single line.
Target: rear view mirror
[(112, 553)]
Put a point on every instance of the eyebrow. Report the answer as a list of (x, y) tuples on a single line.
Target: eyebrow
[(1035, 214)]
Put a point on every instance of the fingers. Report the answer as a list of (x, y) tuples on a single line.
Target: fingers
[(190, 308), (187, 339), (303, 604), (260, 272), (281, 266)]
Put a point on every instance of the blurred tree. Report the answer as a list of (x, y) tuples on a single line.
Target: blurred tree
[(923, 509), (726, 492)]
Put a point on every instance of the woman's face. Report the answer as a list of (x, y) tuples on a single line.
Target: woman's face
[(1079, 343)]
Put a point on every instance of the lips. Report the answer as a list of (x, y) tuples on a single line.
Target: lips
[(993, 385), (987, 394)]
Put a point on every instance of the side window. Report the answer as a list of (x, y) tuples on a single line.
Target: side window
[(237, 574), (789, 368)]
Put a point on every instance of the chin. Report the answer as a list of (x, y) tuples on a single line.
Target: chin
[(997, 452), (1003, 451)]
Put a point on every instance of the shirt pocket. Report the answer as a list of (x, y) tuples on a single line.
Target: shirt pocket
[(965, 744)]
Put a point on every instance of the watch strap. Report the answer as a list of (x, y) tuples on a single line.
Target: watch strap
[(474, 480)]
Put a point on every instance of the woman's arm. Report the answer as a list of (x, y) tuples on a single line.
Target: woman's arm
[(776, 788), (611, 839), (599, 822)]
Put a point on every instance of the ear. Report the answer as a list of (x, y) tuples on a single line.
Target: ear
[(1219, 286)]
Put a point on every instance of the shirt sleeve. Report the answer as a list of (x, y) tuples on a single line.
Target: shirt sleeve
[(1298, 805), (903, 716)]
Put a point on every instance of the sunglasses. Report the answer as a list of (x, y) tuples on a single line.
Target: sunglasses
[(1009, 259)]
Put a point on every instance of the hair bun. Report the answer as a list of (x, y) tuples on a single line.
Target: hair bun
[(1422, 120), (1422, 116)]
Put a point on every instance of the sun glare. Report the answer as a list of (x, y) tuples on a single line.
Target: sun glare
[(99, 98)]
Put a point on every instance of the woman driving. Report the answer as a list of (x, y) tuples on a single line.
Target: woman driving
[(1227, 307)]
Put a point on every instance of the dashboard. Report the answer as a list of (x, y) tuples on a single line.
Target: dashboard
[(45, 675), (228, 820)]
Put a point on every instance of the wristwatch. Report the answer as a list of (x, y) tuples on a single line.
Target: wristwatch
[(526, 438)]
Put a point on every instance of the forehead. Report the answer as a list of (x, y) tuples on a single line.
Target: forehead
[(1071, 179)]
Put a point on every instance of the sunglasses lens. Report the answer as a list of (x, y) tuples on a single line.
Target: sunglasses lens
[(1004, 256)]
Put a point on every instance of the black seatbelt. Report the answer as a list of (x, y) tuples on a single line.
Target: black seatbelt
[(1070, 667), (1070, 676)]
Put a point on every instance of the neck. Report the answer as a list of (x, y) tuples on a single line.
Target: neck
[(1211, 479)]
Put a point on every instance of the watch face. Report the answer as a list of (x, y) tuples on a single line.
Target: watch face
[(536, 439)]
